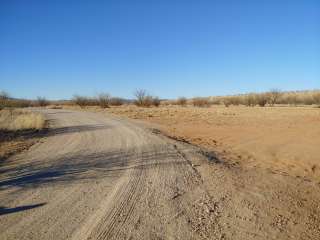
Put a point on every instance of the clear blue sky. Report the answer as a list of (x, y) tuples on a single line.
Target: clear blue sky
[(171, 48)]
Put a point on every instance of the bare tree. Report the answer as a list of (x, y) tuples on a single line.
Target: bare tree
[(42, 101), (274, 96), (104, 100), (262, 99), (4, 97), (141, 96), (80, 100)]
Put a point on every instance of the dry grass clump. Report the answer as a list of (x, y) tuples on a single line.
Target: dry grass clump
[(116, 101), (232, 100), (250, 100), (201, 102), (20, 120), (182, 101), (83, 101), (316, 98), (215, 101), (7, 102)]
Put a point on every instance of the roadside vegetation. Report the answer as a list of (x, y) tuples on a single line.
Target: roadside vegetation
[(201, 102), (266, 99), (8, 102), (143, 99), (274, 97), (182, 101), (16, 119), (42, 102), (104, 100), (19, 127)]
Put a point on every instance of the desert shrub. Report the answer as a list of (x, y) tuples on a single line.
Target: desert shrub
[(274, 95), (143, 99), (115, 101), (104, 100), (227, 101), (147, 101), (79, 100), (42, 102), (15, 103), (215, 101), (4, 97), (156, 101), (236, 100), (291, 99), (8, 102), (261, 99), (232, 100), (308, 99), (250, 100), (83, 101), (316, 98), (201, 102), (168, 102), (182, 101), (305, 99)]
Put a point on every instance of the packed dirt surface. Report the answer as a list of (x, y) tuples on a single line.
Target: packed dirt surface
[(98, 176), (13, 142), (283, 139)]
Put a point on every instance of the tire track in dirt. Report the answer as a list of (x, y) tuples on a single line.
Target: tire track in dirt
[(100, 177), (94, 176)]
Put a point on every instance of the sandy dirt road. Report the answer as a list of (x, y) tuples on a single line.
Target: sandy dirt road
[(98, 177)]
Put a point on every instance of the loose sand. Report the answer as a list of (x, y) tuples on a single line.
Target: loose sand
[(285, 139)]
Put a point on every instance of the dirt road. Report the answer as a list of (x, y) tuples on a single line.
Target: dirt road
[(98, 177)]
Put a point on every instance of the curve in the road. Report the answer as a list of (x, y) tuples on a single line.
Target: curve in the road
[(98, 177)]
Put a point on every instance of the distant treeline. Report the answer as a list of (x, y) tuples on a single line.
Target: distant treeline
[(8, 102), (104, 100), (143, 99), (269, 98)]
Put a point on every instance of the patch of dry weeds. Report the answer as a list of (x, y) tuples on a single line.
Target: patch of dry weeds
[(21, 120)]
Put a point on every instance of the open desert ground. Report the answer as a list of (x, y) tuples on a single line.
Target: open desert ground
[(282, 139), (97, 174)]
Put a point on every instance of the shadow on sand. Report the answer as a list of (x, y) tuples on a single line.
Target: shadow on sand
[(83, 167), (4, 210), (31, 133)]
